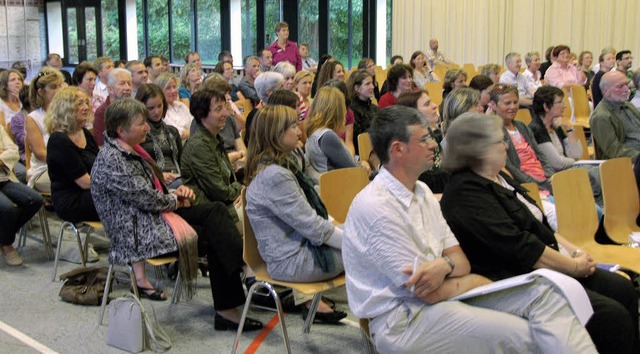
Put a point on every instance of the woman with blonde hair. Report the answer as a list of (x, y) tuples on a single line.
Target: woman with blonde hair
[(304, 81), (41, 92), (190, 81), (71, 152), (178, 114), (294, 235), (324, 148), (453, 79)]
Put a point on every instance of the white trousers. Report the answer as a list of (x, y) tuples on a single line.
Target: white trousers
[(532, 318)]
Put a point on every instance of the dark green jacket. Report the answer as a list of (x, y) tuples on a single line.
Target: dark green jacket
[(206, 169)]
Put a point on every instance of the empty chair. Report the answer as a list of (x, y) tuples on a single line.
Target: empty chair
[(339, 187), (620, 194)]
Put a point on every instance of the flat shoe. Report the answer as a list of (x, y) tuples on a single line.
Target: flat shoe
[(324, 317), (12, 258), (222, 324), (151, 294)]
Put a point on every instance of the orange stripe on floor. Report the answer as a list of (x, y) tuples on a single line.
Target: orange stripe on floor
[(253, 347)]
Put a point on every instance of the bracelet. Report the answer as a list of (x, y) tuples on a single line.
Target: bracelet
[(451, 264), (575, 269)]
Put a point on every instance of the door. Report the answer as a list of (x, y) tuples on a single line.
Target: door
[(83, 38)]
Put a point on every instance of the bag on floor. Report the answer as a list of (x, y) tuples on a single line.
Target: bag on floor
[(84, 286), (132, 330)]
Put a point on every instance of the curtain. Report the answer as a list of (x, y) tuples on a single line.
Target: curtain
[(484, 31)]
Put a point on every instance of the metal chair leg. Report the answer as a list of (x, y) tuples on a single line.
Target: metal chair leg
[(134, 282), (177, 289), (274, 294), (312, 313), (58, 249), (105, 296)]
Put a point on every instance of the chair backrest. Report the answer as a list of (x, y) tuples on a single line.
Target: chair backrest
[(575, 206), (435, 91), (7, 128), (381, 76), (364, 146), (440, 71), (250, 252), (470, 69), (534, 193), (620, 194), (27, 152), (579, 131), (566, 114), (339, 187), (581, 110), (524, 115)]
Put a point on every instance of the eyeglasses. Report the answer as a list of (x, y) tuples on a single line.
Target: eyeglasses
[(425, 139)]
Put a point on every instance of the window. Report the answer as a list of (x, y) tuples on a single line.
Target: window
[(72, 28), (388, 15), (308, 26), (209, 41), (181, 29), (271, 17), (249, 23), (158, 22), (345, 31), (110, 30)]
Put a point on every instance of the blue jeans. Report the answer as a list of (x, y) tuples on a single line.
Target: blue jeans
[(18, 204)]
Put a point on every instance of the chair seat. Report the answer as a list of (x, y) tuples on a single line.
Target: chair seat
[(158, 261), (96, 225), (614, 254), (305, 288)]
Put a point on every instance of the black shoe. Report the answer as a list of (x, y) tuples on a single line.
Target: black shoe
[(222, 324), (324, 317)]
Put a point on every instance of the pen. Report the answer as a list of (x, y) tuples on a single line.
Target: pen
[(415, 268)]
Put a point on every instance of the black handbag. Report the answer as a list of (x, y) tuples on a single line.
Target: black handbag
[(84, 286)]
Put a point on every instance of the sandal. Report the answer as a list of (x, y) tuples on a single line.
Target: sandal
[(151, 294)]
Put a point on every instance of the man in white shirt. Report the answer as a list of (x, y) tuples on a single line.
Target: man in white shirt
[(402, 263), (513, 77), (154, 67), (104, 65), (308, 64)]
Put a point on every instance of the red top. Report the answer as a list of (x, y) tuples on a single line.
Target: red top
[(290, 53), (387, 100)]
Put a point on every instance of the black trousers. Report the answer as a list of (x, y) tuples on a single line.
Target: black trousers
[(220, 241), (18, 204), (614, 324)]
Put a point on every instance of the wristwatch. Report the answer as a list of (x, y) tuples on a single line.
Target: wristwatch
[(451, 264)]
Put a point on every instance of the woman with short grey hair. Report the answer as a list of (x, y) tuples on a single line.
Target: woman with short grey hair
[(288, 71), (266, 84)]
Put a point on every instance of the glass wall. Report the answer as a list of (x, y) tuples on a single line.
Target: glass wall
[(271, 17), (181, 30), (158, 22), (308, 26), (345, 31), (249, 23), (209, 41), (110, 30)]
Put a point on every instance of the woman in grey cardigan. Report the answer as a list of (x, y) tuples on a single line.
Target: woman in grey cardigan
[(295, 237)]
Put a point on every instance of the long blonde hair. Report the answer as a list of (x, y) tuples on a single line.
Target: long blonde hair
[(266, 146), (327, 110), (61, 115), (47, 76)]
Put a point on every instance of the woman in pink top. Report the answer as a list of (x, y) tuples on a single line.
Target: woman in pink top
[(283, 49), (562, 74)]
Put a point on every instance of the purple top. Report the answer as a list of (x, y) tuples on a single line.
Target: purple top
[(17, 129), (290, 53)]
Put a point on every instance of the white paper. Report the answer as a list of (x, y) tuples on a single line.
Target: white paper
[(571, 289)]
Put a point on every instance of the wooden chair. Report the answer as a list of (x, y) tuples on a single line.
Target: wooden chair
[(440, 71), (435, 91), (364, 146), (339, 187), (470, 69), (581, 110), (381, 76), (524, 115), (252, 257), (157, 263), (566, 114), (365, 337), (534, 193), (579, 131), (578, 219), (620, 194)]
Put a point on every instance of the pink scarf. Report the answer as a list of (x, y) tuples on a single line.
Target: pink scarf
[(186, 236)]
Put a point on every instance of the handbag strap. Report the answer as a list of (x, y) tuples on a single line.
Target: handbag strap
[(156, 338)]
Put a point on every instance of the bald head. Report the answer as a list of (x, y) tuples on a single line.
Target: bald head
[(433, 44), (615, 86)]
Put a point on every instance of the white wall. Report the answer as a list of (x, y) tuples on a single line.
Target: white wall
[(20, 37)]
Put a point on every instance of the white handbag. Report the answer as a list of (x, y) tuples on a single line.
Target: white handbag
[(130, 328)]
